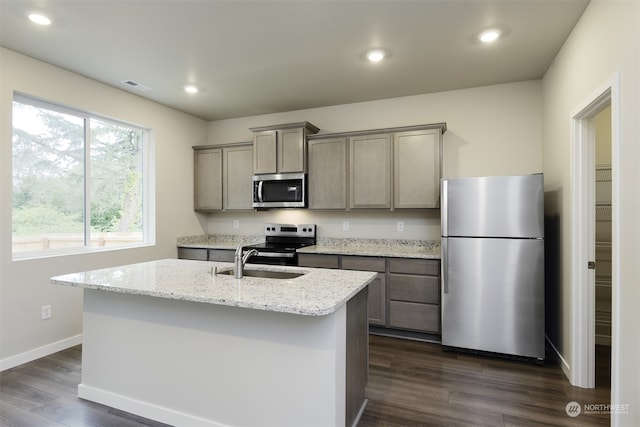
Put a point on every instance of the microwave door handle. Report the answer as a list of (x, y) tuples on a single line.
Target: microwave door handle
[(260, 191)]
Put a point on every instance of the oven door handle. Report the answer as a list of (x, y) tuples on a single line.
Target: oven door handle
[(276, 254)]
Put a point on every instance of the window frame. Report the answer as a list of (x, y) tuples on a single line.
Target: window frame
[(148, 181)]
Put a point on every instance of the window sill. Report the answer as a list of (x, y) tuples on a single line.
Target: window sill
[(55, 253)]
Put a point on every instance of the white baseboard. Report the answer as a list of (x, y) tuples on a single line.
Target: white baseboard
[(143, 409), (37, 353), (563, 363)]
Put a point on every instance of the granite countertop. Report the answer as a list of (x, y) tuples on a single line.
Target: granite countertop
[(427, 249), (318, 292), (217, 241)]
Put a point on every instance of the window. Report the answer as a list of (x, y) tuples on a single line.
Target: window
[(78, 180)]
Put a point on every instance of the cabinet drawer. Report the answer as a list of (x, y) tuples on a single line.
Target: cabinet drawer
[(221, 255), (192, 253), (363, 263), (318, 260), (409, 315), (424, 289), (430, 267)]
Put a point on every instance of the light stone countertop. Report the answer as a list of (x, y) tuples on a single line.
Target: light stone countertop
[(426, 249), (217, 241), (316, 293)]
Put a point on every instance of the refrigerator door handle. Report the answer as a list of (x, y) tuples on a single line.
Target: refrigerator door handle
[(444, 263), (444, 210)]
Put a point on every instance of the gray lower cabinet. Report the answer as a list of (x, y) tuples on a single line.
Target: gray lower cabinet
[(221, 255), (376, 300), (192, 253), (319, 260), (377, 289), (405, 294), (414, 294), (202, 254)]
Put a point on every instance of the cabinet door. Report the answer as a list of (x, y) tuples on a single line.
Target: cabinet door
[(419, 317), (318, 260), (207, 179), (370, 171), (416, 169), (377, 299), (221, 255), (291, 150), (198, 254), (328, 174), (264, 152), (238, 184)]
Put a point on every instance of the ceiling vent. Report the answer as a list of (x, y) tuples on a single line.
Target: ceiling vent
[(135, 85)]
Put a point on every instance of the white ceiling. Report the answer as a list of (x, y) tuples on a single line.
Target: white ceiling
[(258, 57)]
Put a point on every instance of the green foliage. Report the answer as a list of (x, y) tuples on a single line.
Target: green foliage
[(41, 219), (49, 169)]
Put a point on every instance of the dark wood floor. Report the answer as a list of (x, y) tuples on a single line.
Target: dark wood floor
[(410, 384)]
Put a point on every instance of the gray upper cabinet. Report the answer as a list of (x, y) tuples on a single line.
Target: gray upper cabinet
[(207, 179), (281, 148), (416, 169), (392, 168), (328, 174), (238, 173), (223, 177), (370, 171), (264, 151)]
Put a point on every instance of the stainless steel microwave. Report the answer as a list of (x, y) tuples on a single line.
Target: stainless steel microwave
[(285, 190)]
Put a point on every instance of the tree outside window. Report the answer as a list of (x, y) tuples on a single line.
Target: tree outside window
[(78, 180)]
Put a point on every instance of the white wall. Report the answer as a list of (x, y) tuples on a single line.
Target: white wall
[(606, 40), (492, 130), (24, 285)]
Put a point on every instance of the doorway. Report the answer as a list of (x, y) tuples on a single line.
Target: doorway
[(593, 320), (603, 239)]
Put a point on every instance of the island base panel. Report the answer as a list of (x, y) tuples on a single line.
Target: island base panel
[(189, 363)]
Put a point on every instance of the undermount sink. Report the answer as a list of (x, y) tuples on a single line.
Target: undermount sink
[(265, 274)]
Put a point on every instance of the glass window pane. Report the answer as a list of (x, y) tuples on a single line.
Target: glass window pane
[(116, 184), (48, 179)]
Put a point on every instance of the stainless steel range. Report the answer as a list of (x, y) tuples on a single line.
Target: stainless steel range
[(281, 242)]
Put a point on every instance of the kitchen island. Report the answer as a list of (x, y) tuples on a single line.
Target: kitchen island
[(184, 343)]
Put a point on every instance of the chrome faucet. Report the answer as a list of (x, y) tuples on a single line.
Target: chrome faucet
[(241, 260)]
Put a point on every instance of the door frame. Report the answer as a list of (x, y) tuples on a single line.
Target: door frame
[(583, 232)]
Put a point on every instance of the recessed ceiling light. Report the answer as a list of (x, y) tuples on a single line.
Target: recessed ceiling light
[(39, 19), (489, 36), (190, 89), (376, 55)]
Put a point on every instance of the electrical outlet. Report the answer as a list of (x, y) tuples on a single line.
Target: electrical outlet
[(345, 225), (400, 225), (236, 223), (46, 312)]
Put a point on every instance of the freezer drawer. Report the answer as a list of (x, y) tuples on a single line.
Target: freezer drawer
[(495, 206), (493, 295)]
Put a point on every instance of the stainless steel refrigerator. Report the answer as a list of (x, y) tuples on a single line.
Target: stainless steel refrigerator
[(493, 264)]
